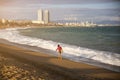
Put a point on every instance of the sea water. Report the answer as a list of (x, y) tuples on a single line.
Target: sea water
[(93, 45)]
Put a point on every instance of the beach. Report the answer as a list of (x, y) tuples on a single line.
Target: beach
[(17, 63), (59, 40)]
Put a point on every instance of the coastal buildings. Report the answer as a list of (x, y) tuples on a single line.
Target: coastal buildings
[(43, 17), (40, 15), (3, 21), (46, 16), (82, 24)]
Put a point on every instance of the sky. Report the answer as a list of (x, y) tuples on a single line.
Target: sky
[(61, 10)]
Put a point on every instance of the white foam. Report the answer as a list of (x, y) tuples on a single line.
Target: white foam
[(13, 35)]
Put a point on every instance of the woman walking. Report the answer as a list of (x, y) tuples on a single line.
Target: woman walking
[(59, 49)]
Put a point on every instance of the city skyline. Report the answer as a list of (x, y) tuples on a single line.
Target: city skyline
[(43, 16), (69, 10)]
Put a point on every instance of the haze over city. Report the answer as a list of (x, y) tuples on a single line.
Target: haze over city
[(99, 11)]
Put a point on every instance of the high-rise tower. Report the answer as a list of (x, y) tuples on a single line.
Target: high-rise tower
[(40, 15), (46, 16)]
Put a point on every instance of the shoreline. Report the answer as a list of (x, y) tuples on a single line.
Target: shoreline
[(88, 61), (52, 53), (63, 69)]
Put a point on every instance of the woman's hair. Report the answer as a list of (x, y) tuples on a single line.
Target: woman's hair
[(58, 45)]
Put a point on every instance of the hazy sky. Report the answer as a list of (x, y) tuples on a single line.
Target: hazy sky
[(79, 10)]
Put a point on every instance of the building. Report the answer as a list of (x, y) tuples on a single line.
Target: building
[(40, 15), (46, 16), (42, 18), (3, 21)]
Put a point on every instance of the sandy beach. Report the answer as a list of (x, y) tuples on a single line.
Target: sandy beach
[(17, 63)]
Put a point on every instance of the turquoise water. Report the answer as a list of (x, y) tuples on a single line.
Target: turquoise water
[(98, 38)]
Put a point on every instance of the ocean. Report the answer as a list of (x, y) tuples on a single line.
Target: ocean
[(98, 46)]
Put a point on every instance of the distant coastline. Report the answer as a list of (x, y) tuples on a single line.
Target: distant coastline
[(13, 24)]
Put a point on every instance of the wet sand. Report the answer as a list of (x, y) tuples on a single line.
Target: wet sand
[(17, 63)]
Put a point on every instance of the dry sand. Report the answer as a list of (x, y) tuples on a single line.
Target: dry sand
[(17, 63)]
